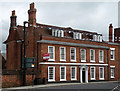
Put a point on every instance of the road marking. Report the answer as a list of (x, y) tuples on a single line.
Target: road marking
[(115, 88)]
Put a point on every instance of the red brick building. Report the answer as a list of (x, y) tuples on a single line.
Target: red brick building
[(74, 55)]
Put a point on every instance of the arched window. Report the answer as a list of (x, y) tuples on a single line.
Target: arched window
[(59, 33), (62, 33), (53, 32)]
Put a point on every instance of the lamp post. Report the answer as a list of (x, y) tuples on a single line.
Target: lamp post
[(24, 68)]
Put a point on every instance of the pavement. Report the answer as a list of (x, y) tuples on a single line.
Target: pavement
[(54, 85)]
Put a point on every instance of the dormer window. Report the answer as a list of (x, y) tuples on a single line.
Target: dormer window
[(97, 38), (57, 33), (77, 35)]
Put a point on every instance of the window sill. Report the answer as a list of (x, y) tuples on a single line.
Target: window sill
[(101, 61), (101, 79), (51, 80), (92, 61), (92, 79), (112, 59), (73, 60), (62, 79), (51, 60), (62, 60), (83, 60), (112, 77), (73, 79)]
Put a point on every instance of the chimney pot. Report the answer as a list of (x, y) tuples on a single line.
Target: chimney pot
[(32, 5), (110, 33), (13, 13), (32, 15), (110, 26)]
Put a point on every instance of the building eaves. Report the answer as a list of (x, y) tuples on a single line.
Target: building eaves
[(112, 43), (72, 44)]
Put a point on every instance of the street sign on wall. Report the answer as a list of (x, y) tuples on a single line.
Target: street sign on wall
[(46, 56), (29, 62)]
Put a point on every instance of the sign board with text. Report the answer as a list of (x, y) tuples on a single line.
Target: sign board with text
[(46, 56), (29, 62)]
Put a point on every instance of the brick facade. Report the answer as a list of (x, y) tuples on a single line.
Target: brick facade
[(39, 37)]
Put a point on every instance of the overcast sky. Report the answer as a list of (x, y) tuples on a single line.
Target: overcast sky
[(89, 16)]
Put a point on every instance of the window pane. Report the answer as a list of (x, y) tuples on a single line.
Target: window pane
[(83, 54), (72, 53), (112, 72), (101, 73), (92, 72), (51, 73), (92, 54), (62, 53), (62, 73), (73, 73), (51, 52), (112, 54), (100, 55)]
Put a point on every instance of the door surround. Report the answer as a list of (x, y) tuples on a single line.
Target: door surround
[(86, 73)]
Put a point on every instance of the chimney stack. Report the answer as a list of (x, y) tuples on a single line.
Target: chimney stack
[(32, 15), (13, 20), (110, 33)]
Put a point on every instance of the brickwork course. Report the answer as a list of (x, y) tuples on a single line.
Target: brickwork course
[(39, 37)]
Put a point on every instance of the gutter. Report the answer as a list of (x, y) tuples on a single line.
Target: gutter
[(71, 44)]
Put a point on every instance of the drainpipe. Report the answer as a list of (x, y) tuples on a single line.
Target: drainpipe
[(37, 58), (24, 70), (108, 64), (21, 54)]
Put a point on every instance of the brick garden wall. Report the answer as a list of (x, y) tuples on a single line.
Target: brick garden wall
[(13, 78)]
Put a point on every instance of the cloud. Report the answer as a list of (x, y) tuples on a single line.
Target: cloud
[(89, 16)]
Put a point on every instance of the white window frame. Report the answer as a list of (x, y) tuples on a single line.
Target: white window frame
[(74, 55), (62, 33), (113, 54), (101, 61), (53, 32), (77, 35), (64, 54), (75, 73), (112, 67), (93, 55), (84, 54), (91, 73), (80, 36), (56, 33), (100, 38), (59, 33), (53, 53), (94, 37), (50, 80), (102, 73), (64, 73)]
